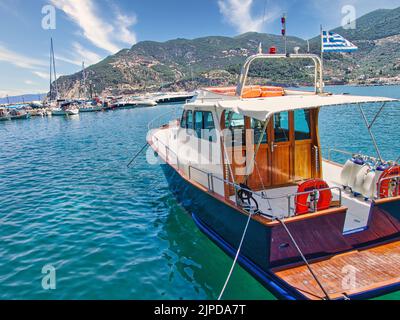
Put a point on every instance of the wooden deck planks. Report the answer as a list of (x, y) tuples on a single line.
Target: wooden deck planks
[(375, 267)]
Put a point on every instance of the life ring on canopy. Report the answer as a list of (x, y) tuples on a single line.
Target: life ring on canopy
[(389, 187), (302, 200)]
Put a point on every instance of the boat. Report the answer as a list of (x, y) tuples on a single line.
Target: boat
[(168, 98), (4, 114), (13, 114), (91, 106), (69, 108), (246, 162), (18, 114), (134, 103)]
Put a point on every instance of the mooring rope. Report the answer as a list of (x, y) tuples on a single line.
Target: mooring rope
[(236, 257), (137, 154), (304, 259)]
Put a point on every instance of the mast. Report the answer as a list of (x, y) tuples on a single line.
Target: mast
[(84, 89), (322, 55), (53, 70)]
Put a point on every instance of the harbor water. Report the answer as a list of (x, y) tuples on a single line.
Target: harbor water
[(68, 200)]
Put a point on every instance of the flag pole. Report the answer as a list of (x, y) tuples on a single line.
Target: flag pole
[(322, 56)]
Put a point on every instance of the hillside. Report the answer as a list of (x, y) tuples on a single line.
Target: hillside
[(189, 64)]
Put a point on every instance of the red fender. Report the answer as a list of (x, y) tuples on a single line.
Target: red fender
[(384, 185), (324, 199)]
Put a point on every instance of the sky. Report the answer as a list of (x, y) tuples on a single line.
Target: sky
[(90, 30)]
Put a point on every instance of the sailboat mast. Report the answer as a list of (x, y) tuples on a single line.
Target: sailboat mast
[(84, 81), (53, 62)]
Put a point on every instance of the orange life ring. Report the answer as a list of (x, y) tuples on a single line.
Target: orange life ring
[(324, 199), (385, 185)]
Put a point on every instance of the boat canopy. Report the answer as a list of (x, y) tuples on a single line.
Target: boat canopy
[(262, 109)]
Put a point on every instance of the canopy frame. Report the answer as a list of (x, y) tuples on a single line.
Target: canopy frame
[(318, 70)]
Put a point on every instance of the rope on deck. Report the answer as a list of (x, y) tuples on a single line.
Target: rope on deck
[(304, 259), (236, 257)]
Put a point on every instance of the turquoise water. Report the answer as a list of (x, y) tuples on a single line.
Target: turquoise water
[(68, 200)]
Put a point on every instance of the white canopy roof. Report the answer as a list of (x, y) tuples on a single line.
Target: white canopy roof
[(263, 108)]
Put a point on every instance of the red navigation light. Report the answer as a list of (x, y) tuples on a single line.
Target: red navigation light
[(283, 32), (272, 50), (283, 20)]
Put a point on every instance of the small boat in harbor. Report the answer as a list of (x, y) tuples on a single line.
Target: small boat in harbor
[(134, 103), (91, 106), (69, 108), (13, 114), (168, 98), (247, 163), (4, 114), (18, 114)]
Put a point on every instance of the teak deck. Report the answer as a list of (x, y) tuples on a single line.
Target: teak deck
[(375, 267)]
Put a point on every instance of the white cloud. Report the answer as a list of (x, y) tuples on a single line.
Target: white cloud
[(79, 55), (29, 82), (238, 14), (95, 28), (41, 74), (124, 23), (19, 60)]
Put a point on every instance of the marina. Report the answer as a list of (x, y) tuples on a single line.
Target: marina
[(241, 151), (122, 227)]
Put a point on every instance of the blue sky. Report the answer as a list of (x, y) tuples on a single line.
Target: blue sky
[(89, 30)]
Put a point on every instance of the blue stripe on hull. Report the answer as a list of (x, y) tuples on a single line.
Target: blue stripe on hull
[(211, 215), (226, 238)]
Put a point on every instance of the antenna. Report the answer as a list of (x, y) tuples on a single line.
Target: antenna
[(262, 26), (284, 31)]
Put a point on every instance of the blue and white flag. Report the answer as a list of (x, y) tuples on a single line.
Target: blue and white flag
[(333, 42)]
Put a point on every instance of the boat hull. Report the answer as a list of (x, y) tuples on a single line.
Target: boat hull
[(210, 215), (202, 207)]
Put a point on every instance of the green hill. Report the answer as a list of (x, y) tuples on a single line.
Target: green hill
[(215, 60)]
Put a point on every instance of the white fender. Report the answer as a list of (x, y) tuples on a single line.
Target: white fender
[(346, 173), (369, 185), (353, 175), (359, 180)]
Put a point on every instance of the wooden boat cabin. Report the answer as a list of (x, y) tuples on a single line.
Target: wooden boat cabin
[(253, 153)]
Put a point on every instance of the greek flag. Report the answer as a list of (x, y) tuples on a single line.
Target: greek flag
[(333, 42)]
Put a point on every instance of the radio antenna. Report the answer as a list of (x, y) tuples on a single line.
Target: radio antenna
[(262, 26)]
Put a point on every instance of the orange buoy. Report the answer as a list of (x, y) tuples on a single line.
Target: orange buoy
[(389, 187), (324, 198)]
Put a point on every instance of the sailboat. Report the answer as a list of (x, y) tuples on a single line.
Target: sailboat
[(58, 107)]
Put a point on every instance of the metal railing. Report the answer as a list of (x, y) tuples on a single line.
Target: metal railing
[(291, 198), (210, 185), (161, 120)]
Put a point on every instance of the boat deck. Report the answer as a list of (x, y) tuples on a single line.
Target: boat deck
[(357, 214), (373, 268)]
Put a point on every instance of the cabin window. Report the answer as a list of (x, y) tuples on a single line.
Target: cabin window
[(281, 127), (235, 123), (208, 121), (258, 127), (183, 120), (189, 119), (209, 126), (198, 123), (302, 124)]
